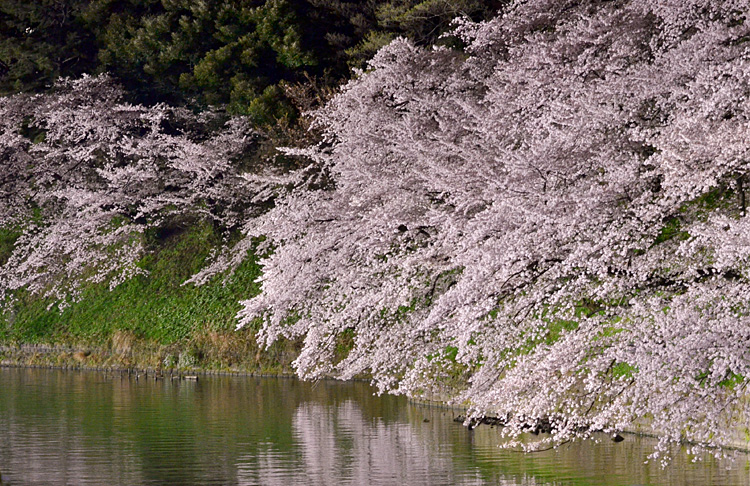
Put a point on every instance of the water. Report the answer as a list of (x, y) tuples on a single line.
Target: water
[(60, 428)]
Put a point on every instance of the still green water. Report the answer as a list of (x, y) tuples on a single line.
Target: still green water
[(71, 428)]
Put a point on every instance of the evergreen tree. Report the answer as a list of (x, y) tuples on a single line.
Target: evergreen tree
[(41, 41), (227, 52)]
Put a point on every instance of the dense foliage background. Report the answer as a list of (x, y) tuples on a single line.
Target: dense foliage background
[(240, 54)]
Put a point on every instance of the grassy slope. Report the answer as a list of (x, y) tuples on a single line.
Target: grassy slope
[(153, 321)]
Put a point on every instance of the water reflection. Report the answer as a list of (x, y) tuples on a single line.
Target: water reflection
[(93, 428), (340, 445)]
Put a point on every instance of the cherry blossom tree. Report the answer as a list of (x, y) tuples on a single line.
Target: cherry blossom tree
[(86, 174), (549, 225)]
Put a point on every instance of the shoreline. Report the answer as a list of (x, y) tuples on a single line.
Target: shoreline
[(148, 358), (69, 358)]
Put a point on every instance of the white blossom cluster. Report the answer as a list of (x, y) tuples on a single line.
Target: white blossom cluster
[(552, 221)]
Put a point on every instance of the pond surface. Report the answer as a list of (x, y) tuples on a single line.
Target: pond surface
[(59, 428)]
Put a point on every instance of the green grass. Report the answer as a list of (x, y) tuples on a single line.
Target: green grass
[(672, 229), (622, 370), (156, 308), (8, 237)]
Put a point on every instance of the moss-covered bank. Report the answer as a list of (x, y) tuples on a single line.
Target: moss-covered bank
[(150, 322)]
